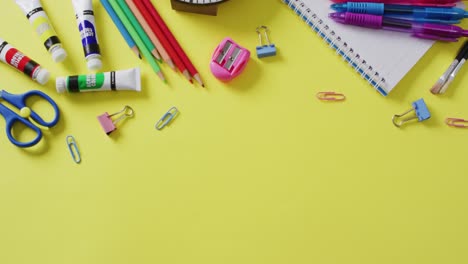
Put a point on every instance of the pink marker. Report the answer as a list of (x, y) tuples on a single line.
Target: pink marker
[(229, 60), (409, 2)]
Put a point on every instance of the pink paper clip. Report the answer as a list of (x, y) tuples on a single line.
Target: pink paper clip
[(457, 122), (331, 96), (229, 60), (108, 124)]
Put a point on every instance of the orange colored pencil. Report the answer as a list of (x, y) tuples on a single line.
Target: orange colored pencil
[(162, 51), (157, 31)]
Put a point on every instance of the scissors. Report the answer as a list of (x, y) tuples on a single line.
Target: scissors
[(11, 118)]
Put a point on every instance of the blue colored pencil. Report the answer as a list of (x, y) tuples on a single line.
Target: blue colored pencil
[(131, 43)]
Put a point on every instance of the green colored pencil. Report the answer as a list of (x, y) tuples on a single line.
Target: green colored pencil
[(139, 29), (144, 50)]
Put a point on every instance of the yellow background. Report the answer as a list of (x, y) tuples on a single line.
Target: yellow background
[(255, 171)]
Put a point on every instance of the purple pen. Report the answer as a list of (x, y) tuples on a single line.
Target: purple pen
[(426, 31)]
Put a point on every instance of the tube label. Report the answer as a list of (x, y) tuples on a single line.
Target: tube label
[(129, 80), (17, 59), (46, 32), (86, 82), (34, 11), (88, 33)]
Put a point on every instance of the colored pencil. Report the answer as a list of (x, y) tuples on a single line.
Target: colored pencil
[(154, 39), (144, 50), (155, 28), (121, 27), (138, 28), (173, 41)]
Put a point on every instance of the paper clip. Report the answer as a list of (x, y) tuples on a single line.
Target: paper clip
[(421, 113), (331, 96), (75, 153), (108, 124), (457, 122), (167, 118), (265, 49)]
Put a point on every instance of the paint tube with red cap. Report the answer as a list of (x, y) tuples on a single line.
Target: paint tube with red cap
[(15, 58)]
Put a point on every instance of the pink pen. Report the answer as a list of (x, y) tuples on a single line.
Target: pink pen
[(409, 2), (419, 30)]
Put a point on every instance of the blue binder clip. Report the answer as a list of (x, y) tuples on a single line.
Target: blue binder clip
[(267, 50), (421, 113)]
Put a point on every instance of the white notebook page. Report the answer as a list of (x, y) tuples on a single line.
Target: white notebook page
[(392, 54)]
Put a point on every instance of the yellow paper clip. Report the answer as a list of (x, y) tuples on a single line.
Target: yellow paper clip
[(167, 118), (75, 153), (457, 122), (331, 96)]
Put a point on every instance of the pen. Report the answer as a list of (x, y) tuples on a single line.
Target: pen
[(409, 2), (390, 10), (447, 78), (440, 32)]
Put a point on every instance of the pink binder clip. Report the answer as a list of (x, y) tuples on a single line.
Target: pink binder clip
[(229, 60), (108, 124)]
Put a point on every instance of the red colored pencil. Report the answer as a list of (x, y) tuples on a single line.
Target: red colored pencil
[(170, 37), (162, 39)]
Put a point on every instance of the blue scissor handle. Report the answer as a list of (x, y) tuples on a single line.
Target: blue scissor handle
[(11, 118), (19, 101)]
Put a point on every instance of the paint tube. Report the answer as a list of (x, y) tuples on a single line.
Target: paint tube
[(86, 25), (15, 58), (40, 21), (107, 81)]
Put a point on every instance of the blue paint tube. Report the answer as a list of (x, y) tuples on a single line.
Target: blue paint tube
[(86, 25)]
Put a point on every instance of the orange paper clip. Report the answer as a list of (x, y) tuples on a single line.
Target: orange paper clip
[(457, 122), (331, 96)]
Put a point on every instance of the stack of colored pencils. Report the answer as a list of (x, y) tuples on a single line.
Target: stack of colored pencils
[(146, 32), (429, 19)]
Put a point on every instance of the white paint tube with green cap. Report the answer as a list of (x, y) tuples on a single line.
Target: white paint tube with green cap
[(129, 80)]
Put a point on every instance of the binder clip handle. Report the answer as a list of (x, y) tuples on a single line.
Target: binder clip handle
[(126, 112), (260, 38), (265, 49)]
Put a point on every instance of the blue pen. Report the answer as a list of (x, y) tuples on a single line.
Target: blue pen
[(121, 27), (417, 13)]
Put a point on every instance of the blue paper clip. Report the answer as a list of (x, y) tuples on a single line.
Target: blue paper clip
[(267, 49), (167, 118), (419, 108), (75, 153)]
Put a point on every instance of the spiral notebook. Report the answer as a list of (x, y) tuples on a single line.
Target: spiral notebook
[(381, 57)]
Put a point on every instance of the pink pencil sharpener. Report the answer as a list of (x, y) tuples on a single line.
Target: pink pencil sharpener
[(229, 60)]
